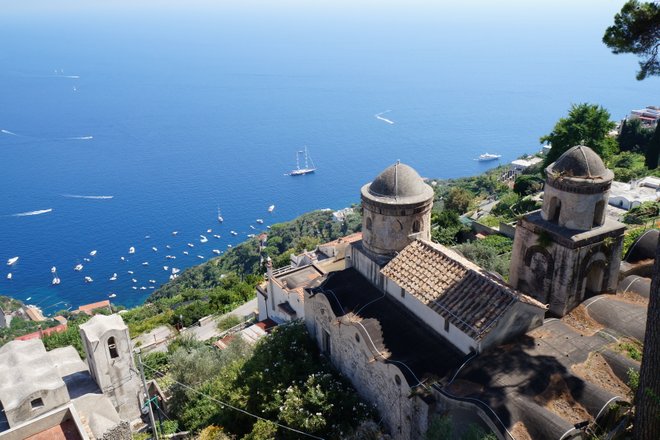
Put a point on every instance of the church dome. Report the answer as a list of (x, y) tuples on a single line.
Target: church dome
[(581, 162), (399, 181)]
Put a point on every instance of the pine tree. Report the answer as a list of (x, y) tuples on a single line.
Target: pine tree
[(653, 149)]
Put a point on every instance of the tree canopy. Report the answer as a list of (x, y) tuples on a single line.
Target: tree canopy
[(636, 30), (586, 124)]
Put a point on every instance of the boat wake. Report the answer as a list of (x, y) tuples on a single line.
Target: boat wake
[(79, 138), (76, 196), (39, 212), (378, 116), (70, 138), (11, 133)]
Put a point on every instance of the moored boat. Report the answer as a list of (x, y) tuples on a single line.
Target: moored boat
[(487, 156)]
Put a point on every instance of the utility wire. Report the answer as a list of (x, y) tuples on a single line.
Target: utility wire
[(237, 409)]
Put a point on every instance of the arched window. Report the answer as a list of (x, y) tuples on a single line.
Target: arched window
[(555, 210), (369, 223), (112, 346), (416, 225), (598, 213)]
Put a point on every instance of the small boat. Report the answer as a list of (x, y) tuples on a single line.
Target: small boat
[(216, 251), (53, 269), (130, 272), (154, 248), (12, 261), (133, 287), (185, 252), (175, 270), (220, 219), (167, 246), (113, 277), (208, 231), (143, 288), (86, 259), (152, 287), (93, 253), (112, 295), (122, 258), (147, 236), (271, 208), (229, 246), (172, 277), (56, 281), (9, 277), (131, 250), (234, 233), (251, 235), (146, 263), (216, 236), (252, 227), (175, 232), (28, 298), (203, 239), (166, 268), (307, 169), (133, 280), (190, 245), (487, 156), (152, 281), (88, 280), (201, 257), (78, 267), (267, 227), (260, 221)]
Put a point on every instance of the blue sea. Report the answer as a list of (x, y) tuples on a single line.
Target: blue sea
[(172, 109)]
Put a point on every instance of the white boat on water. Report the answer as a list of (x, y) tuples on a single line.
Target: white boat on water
[(113, 277), (252, 227), (131, 250), (112, 295), (53, 269), (154, 248), (152, 281), (122, 258), (78, 267), (89, 280), (56, 280), (12, 261), (201, 257), (143, 288), (203, 239), (307, 168), (175, 270), (167, 246), (9, 276), (260, 221), (86, 259), (208, 231), (185, 252), (216, 236), (146, 263), (133, 287), (92, 253), (216, 251), (190, 245), (130, 272), (234, 233), (487, 156), (175, 232), (220, 219), (133, 280), (166, 268), (229, 246), (28, 298), (271, 208)]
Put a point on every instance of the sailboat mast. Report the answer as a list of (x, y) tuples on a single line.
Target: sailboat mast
[(297, 160)]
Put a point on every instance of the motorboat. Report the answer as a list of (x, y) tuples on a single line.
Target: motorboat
[(143, 288), (175, 270), (166, 268), (12, 261), (53, 269), (112, 295), (78, 267), (185, 253), (216, 251), (271, 208), (260, 221), (130, 272), (133, 280), (216, 236), (134, 287), (152, 287), (229, 246), (147, 237), (154, 248), (93, 253), (87, 260), (122, 258), (190, 245), (88, 280), (234, 233), (201, 257), (220, 218), (203, 239), (175, 232), (9, 276), (167, 246), (208, 231), (146, 263), (251, 235), (152, 281), (487, 156), (56, 281), (113, 277), (252, 227), (131, 250)]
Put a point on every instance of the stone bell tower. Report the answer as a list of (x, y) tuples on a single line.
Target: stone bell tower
[(396, 209), (569, 250), (110, 359)]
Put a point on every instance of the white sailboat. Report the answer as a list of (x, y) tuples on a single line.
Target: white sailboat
[(307, 169)]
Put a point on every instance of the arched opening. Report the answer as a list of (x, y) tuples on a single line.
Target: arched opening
[(598, 213), (593, 281), (112, 347), (554, 210), (369, 223), (416, 226)]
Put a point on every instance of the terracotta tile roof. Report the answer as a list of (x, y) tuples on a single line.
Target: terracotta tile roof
[(37, 335), (469, 297), (356, 236), (88, 308)]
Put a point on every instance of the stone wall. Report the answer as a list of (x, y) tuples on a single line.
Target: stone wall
[(576, 211), (120, 432), (353, 353)]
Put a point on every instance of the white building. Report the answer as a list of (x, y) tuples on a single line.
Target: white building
[(629, 195)]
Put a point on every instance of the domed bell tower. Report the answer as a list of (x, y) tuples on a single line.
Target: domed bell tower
[(569, 250), (396, 210)]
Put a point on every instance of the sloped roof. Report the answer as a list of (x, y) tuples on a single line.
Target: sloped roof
[(469, 297), (398, 183)]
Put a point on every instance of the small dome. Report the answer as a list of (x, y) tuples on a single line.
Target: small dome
[(398, 181), (581, 162)]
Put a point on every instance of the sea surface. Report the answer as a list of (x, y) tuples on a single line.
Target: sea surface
[(127, 120)]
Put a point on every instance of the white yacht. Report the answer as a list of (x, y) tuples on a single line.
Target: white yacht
[(133, 280), (216, 251), (154, 248), (208, 231), (143, 288), (87, 260), (260, 221), (9, 276), (307, 169), (229, 246), (487, 156), (113, 277), (133, 287), (93, 253), (220, 219), (201, 257), (152, 281), (168, 246), (252, 227), (122, 258), (131, 250), (166, 268), (203, 239), (190, 245), (175, 270), (185, 252), (112, 295), (88, 279), (12, 261), (271, 208), (78, 267), (130, 272)]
